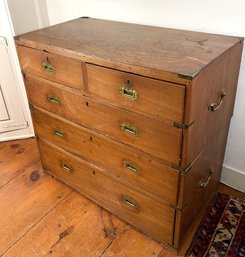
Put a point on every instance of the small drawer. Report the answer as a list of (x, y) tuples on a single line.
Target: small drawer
[(147, 96), (145, 134), (51, 66), (121, 161), (122, 200)]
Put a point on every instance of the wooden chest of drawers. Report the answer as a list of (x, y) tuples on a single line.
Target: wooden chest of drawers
[(134, 117)]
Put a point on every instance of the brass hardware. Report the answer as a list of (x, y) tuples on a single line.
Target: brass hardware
[(48, 67), (188, 168), (53, 99), (129, 201), (183, 170), (67, 167), (188, 76), (128, 92), (182, 125), (203, 184), (215, 106), (131, 167), (58, 132), (128, 128)]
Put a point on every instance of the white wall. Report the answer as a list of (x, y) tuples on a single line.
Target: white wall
[(28, 15), (220, 16)]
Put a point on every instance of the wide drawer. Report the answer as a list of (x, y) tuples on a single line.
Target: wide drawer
[(51, 66), (121, 161), (145, 134), (144, 213), (142, 95)]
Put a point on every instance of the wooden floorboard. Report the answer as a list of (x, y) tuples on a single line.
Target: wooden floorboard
[(24, 201), (15, 157), (40, 216)]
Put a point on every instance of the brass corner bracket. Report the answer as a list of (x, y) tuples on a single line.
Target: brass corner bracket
[(183, 125), (183, 170)]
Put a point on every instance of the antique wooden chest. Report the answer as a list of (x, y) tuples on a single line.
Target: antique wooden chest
[(133, 117)]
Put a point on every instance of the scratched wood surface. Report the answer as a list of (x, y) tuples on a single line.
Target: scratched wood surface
[(132, 45), (40, 216)]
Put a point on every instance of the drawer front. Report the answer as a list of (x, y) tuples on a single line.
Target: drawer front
[(53, 67), (145, 134), (198, 186), (152, 217), (139, 94), (123, 162)]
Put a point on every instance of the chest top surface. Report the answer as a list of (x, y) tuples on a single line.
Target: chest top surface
[(171, 50)]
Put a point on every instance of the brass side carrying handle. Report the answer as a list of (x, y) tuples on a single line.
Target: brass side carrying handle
[(48, 67), (215, 106), (203, 184), (128, 92), (58, 132), (130, 129), (132, 167), (53, 99), (67, 167), (129, 201)]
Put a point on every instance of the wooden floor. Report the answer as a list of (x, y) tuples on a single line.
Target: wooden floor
[(40, 216)]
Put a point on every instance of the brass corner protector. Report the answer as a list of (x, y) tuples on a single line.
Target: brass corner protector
[(183, 125), (175, 207), (188, 76), (187, 169), (183, 170)]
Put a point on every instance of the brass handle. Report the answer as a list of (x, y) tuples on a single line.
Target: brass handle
[(48, 67), (132, 167), (215, 106), (67, 167), (129, 201), (53, 99), (203, 184), (130, 129), (58, 132), (128, 92)]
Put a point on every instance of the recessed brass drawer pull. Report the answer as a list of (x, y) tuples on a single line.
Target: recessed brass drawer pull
[(132, 167), (48, 67), (128, 128), (67, 167), (129, 201), (53, 99), (128, 92), (215, 106), (58, 132), (203, 184)]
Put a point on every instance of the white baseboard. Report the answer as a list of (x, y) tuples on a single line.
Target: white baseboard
[(17, 134), (233, 178)]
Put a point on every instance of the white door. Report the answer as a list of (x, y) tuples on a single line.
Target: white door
[(11, 111), (15, 120)]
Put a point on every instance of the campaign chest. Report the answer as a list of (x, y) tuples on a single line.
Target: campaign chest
[(133, 117)]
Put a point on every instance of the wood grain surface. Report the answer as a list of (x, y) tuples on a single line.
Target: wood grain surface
[(154, 98), (132, 46), (73, 227), (154, 137), (149, 216), (66, 70), (152, 176)]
